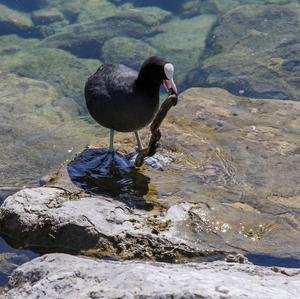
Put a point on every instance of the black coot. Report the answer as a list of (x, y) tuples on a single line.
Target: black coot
[(123, 100)]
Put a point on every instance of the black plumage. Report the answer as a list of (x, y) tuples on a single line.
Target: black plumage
[(121, 99)]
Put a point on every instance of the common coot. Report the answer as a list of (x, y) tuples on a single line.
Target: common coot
[(124, 100)]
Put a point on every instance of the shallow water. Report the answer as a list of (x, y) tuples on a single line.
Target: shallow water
[(63, 42), (273, 261)]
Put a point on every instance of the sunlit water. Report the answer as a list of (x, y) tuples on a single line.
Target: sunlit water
[(63, 42)]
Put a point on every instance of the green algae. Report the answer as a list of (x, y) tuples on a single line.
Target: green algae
[(46, 64), (183, 42), (157, 226), (46, 16), (129, 51), (12, 21)]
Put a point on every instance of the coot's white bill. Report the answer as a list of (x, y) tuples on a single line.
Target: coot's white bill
[(170, 86)]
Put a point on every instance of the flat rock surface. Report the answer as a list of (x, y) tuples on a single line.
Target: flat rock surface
[(66, 276), (227, 181)]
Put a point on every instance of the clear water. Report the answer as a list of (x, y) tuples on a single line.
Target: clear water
[(63, 42)]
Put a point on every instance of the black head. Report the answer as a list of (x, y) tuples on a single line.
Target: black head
[(156, 71)]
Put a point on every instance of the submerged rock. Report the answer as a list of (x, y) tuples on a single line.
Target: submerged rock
[(254, 52), (46, 64), (182, 41), (46, 16), (129, 51), (196, 7), (10, 44), (96, 10), (230, 185), (12, 21), (38, 129), (86, 39), (65, 276)]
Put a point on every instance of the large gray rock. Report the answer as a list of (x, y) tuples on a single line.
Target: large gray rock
[(64, 276), (49, 218), (254, 51)]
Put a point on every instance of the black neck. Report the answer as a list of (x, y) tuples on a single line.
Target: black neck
[(145, 82)]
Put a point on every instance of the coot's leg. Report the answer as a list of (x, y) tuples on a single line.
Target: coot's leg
[(138, 139), (111, 140)]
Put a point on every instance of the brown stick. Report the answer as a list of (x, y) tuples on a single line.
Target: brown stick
[(155, 132)]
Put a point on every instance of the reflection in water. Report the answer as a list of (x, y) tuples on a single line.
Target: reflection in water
[(99, 171)]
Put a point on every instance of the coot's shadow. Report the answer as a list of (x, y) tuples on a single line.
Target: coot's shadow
[(98, 171)]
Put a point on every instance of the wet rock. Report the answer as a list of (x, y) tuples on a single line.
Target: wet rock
[(70, 9), (86, 39), (12, 21), (237, 258), (50, 29), (96, 10), (46, 16), (38, 130), (230, 185), (46, 64), (258, 41), (65, 276), (49, 218), (129, 51), (10, 44), (196, 7), (182, 41)]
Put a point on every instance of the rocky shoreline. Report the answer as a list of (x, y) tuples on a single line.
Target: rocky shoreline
[(226, 184), (225, 180)]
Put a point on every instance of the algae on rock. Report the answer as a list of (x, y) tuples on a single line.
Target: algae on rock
[(46, 16), (182, 41), (38, 130), (86, 39), (96, 10), (254, 52), (129, 51), (59, 68), (12, 21)]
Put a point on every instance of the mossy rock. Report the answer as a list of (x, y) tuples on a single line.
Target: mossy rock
[(182, 41), (96, 10), (46, 16), (10, 44), (64, 71), (196, 7), (86, 39), (129, 51), (12, 21), (38, 129), (253, 52), (70, 9), (50, 29), (148, 16)]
